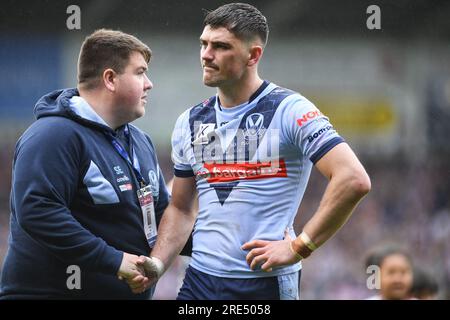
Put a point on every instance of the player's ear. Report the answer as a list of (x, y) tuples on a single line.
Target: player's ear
[(255, 53), (109, 79)]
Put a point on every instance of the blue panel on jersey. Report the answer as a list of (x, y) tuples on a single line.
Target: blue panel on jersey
[(325, 148), (183, 173), (203, 112), (223, 190)]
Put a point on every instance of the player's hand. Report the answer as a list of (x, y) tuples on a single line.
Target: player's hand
[(132, 272), (153, 270), (270, 253)]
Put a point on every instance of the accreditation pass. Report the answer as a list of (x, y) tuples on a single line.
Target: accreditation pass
[(148, 213)]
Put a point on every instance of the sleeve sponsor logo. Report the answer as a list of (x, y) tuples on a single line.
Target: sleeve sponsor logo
[(308, 116), (316, 134)]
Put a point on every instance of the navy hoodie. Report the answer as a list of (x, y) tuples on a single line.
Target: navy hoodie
[(74, 202)]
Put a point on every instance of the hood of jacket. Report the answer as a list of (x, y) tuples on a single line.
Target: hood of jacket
[(59, 103)]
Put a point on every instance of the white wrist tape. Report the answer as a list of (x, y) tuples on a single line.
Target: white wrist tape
[(308, 242), (154, 267)]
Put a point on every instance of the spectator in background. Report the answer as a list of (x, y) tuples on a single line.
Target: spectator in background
[(396, 273), (425, 286)]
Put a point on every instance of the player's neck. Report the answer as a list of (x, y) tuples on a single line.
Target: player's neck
[(238, 92)]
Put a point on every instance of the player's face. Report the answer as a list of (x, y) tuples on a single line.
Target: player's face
[(131, 89), (223, 57), (396, 277)]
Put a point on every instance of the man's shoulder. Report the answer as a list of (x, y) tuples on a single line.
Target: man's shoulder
[(279, 94), (56, 121), (278, 90), (52, 129), (292, 100), (51, 135)]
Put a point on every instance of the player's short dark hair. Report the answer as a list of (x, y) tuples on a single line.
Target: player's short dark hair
[(243, 20), (377, 255), (105, 49)]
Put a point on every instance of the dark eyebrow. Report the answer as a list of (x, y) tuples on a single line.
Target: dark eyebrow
[(143, 69), (226, 44), (221, 43)]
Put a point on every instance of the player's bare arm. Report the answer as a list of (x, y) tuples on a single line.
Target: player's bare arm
[(173, 232), (177, 225), (348, 184)]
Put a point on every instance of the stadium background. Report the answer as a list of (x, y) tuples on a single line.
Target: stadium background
[(386, 91)]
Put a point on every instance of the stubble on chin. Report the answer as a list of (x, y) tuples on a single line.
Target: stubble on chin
[(210, 82)]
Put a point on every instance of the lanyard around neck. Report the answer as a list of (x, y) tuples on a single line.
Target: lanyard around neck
[(133, 162)]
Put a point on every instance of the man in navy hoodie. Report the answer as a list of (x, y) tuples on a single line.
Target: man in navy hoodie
[(82, 178)]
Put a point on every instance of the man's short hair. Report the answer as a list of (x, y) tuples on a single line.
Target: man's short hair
[(106, 49), (243, 20)]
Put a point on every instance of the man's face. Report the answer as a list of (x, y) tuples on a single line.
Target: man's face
[(223, 57), (396, 277), (132, 87)]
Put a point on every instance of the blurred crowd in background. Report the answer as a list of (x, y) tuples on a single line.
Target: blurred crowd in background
[(386, 91), (409, 207)]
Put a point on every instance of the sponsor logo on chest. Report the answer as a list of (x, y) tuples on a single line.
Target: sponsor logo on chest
[(122, 179)]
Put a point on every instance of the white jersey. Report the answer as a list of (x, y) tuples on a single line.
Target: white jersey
[(252, 163)]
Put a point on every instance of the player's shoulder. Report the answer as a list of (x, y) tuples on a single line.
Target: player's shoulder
[(203, 107), (291, 100), (282, 94), (281, 91), (196, 111)]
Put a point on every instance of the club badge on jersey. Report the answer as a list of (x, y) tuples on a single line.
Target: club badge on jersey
[(148, 213)]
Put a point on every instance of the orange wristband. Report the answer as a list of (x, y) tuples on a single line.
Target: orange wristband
[(294, 252), (300, 248), (308, 242)]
